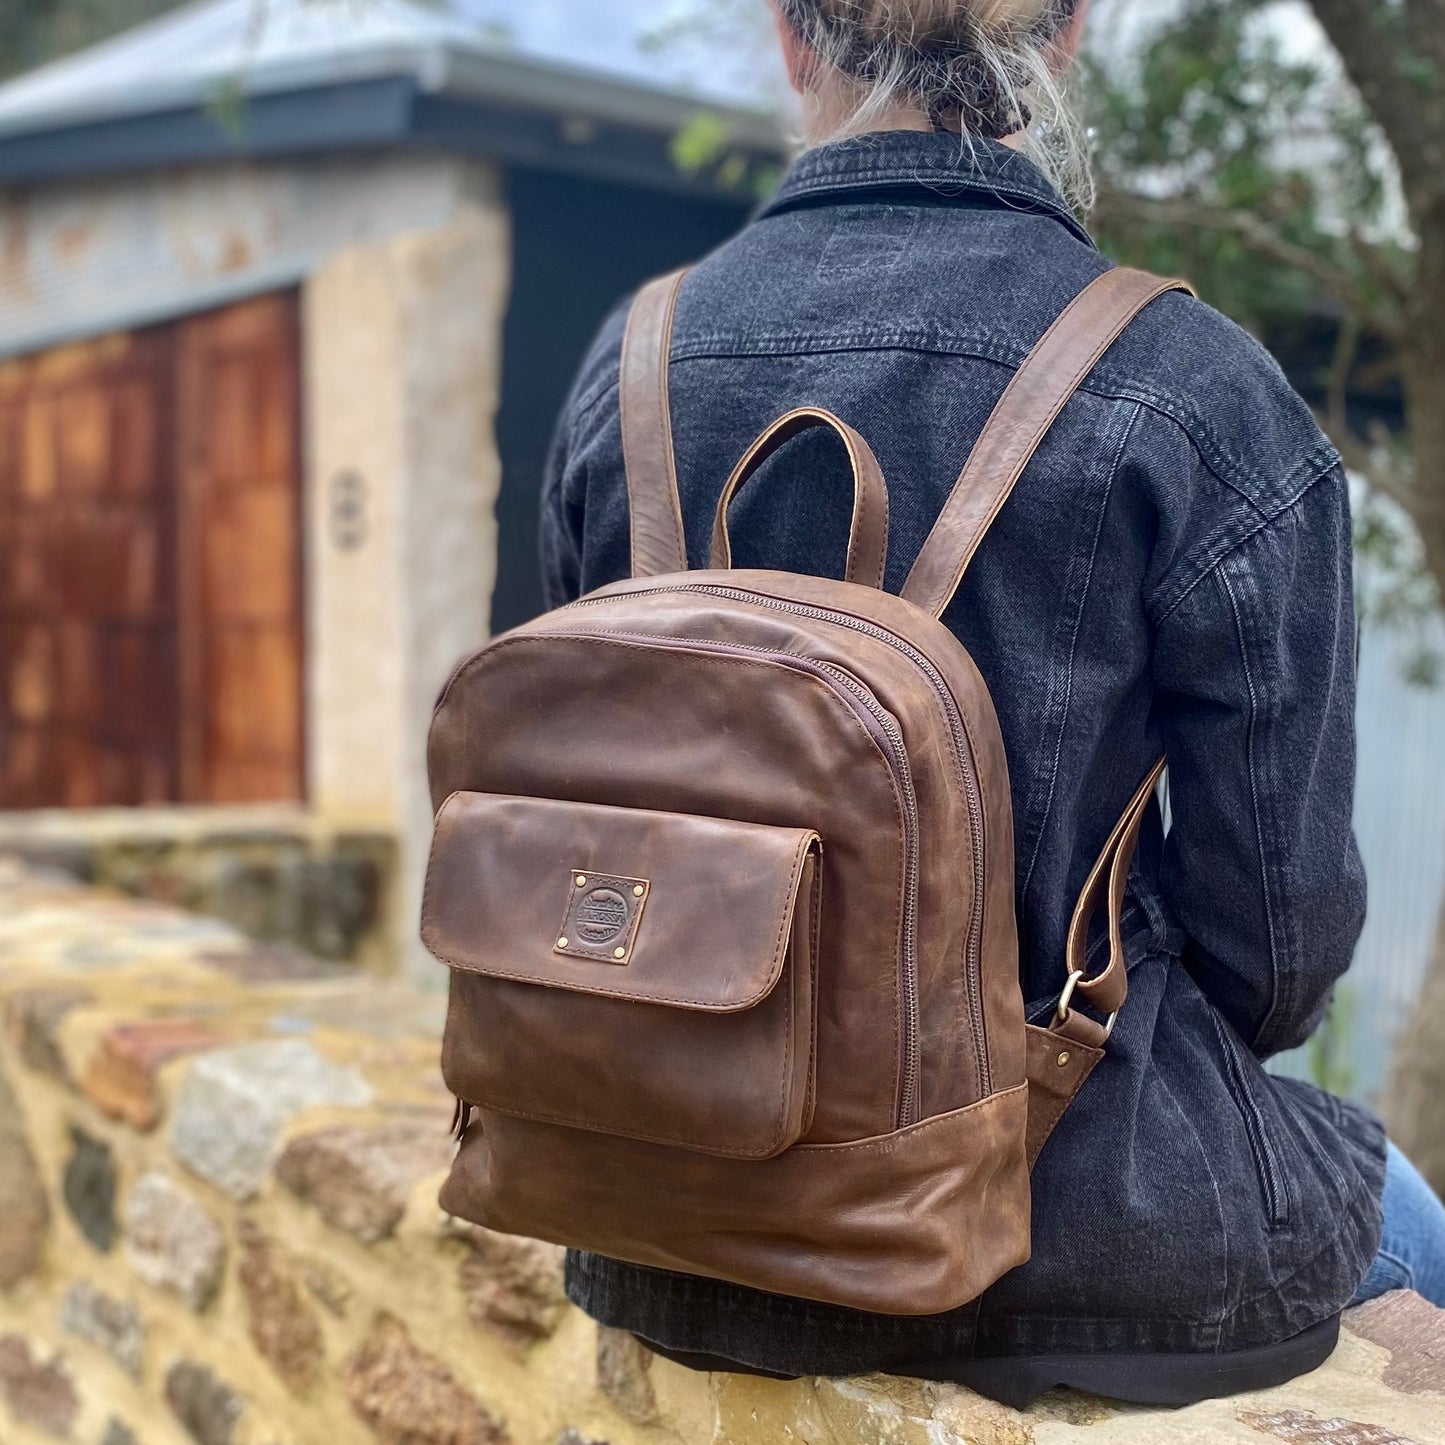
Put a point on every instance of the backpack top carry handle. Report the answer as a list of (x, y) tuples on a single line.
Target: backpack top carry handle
[(868, 535)]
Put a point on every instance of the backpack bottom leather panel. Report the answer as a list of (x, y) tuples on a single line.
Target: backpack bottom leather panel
[(910, 1223)]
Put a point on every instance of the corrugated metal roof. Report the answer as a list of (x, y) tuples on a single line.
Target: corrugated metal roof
[(592, 52)]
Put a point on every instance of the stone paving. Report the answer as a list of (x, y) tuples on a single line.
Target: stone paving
[(218, 1170)]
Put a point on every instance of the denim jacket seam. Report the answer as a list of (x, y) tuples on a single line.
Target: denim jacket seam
[(1202, 436), (1125, 432), (1279, 975), (1231, 470), (1213, 1325), (723, 346), (1213, 564), (1012, 200), (598, 392), (972, 345), (813, 171), (850, 178)]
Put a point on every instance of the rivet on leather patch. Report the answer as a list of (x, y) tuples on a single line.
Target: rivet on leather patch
[(602, 915)]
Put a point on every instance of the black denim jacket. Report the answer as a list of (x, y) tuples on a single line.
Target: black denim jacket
[(1171, 575)]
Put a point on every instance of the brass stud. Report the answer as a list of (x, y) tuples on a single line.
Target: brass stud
[(638, 890), (1064, 1059), (561, 943), (619, 953), (581, 880)]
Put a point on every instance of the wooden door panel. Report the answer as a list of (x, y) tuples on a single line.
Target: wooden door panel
[(12, 437), (250, 661), (150, 598), (82, 420), (241, 657), (87, 561), (76, 676), (251, 563)]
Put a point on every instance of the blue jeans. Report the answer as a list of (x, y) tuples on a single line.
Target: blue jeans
[(1412, 1251)]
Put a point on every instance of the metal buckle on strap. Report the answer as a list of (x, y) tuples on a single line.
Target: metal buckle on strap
[(1067, 996)]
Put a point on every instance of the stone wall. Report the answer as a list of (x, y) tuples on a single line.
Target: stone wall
[(281, 874), (218, 1170)]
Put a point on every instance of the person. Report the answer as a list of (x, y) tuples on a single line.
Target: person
[(1172, 575)]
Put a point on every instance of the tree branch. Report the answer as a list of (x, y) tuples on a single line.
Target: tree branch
[(1263, 239), (1377, 263), (1337, 391)]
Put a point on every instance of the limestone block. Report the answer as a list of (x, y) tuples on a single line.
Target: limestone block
[(33, 1017), (112, 1324), (361, 1179), (171, 1241), (234, 1103), (1413, 1332), (755, 1411), (327, 1284), (207, 1407), (276, 963), (38, 1392), (623, 1366), (117, 1432), (1304, 1426), (24, 1207), (513, 1285), (284, 1327), (89, 1188), (120, 1078), (409, 1397)]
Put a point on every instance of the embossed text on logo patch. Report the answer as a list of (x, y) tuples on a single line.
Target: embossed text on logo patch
[(603, 911)]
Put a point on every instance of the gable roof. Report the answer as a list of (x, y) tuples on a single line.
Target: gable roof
[(220, 77)]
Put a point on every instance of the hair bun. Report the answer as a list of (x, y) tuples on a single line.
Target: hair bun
[(953, 70)]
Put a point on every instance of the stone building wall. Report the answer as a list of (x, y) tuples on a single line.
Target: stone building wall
[(218, 1171), (403, 261)]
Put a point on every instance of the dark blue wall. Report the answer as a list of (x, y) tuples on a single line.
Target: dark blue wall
[(579, 246)]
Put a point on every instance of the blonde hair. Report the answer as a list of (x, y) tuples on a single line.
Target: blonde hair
[(987, 68)]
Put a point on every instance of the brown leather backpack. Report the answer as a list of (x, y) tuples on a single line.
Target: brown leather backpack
[(723, 872)]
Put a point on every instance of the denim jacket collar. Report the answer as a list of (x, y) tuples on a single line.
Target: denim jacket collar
[(986, 171)]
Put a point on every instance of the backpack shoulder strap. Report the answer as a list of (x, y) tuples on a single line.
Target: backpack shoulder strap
[(658, 542), (1049, 376)]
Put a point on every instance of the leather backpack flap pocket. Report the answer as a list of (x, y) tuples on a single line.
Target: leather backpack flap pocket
[(627, 971)]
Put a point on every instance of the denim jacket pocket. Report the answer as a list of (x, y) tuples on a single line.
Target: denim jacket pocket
[(1237, 1068)]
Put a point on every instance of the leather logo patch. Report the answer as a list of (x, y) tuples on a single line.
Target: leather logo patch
[(602, 915)]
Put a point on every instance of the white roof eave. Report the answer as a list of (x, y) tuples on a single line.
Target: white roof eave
[(126, 78)]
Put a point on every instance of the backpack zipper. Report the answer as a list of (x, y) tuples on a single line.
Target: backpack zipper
[(883, 728), (963, 753)]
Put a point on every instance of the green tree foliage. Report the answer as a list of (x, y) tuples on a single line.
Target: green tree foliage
[(34, 31), (1249, 168)]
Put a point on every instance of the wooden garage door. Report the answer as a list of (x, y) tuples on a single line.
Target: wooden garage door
[(150, 600)]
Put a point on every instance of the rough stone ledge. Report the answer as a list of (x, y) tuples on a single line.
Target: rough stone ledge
[(218, 1227), (276, 871)]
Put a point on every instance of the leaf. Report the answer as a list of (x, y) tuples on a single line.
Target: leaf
[(701, 143), (227, 107)]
